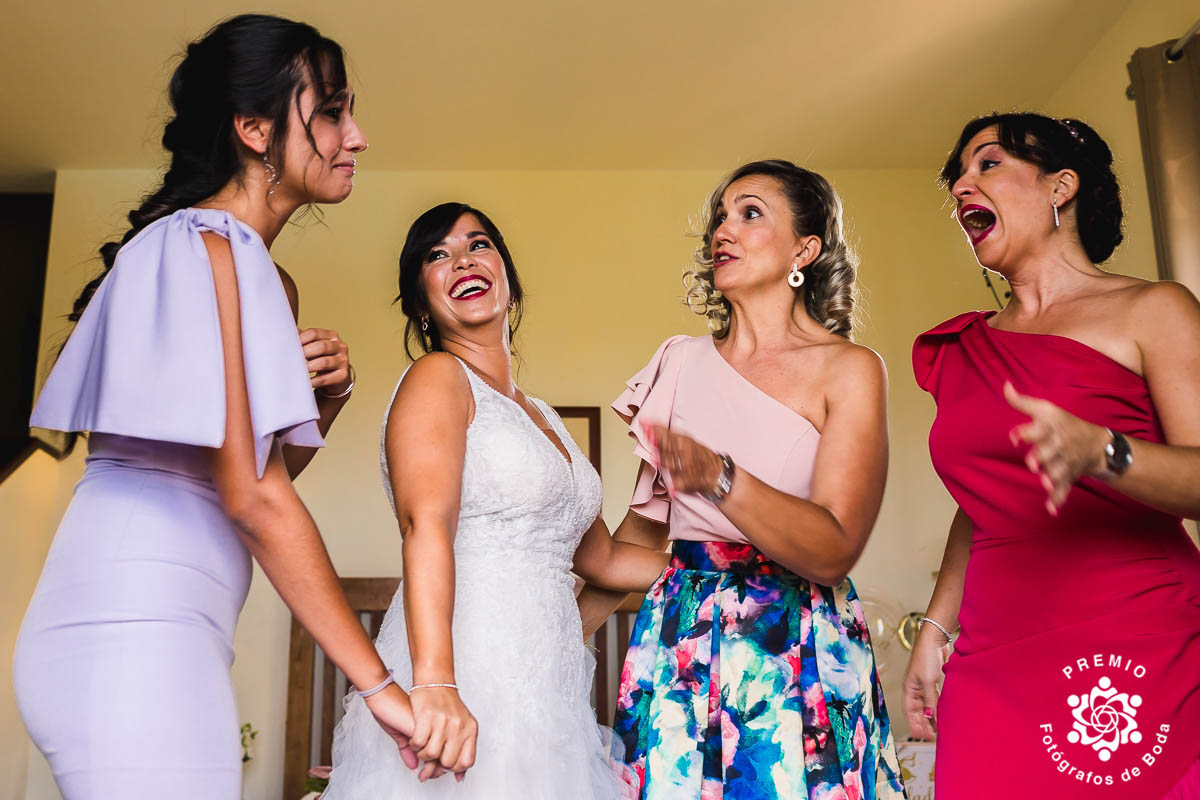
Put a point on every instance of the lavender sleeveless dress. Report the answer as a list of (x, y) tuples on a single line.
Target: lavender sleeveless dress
[(122, 663)]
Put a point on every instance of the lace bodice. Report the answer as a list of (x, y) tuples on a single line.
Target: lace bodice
[(518, 491), (519, 658)]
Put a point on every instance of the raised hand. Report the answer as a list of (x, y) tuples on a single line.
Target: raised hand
[(328, 360), (444, 733), (687, 465), (1062, 447), (393, 712)]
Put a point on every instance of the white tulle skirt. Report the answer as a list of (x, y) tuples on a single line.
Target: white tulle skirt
[(523, 671)]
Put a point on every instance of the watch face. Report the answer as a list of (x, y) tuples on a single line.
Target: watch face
[(1118, 454)]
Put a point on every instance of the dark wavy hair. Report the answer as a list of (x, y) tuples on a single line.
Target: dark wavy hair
[(426, 231), (1051, 145), (830, 286), (251, 65)]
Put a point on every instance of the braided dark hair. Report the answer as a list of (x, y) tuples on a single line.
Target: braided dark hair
[(1054, 144), (252, 64)]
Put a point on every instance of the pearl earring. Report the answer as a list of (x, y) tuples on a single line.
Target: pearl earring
[(795, 278), (1054, 205)]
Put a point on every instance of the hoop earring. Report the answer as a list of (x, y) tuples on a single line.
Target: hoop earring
[(424, 324), (1054, 205), (795, 278)]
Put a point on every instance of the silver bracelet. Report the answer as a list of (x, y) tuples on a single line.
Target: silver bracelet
[(349, 388), (434, 686), (935, 624)]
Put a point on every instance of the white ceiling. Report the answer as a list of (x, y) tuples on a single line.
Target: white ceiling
[(610, 84)]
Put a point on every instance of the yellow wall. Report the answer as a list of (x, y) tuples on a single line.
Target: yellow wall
[(601, 254)]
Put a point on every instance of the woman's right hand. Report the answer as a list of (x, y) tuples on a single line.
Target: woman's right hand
[(393, 711), (444, 733), (923, 681)]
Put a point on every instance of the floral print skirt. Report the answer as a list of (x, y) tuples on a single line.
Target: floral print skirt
[(745, 681)]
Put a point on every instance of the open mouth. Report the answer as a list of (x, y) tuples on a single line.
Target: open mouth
[(470, 287), (977, 221), (721, 258)]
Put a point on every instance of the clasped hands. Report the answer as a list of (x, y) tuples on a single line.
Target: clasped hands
[(1062, 447), (444, 732), (432, 728)]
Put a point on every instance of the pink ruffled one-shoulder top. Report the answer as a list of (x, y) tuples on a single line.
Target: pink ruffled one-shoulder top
[(691, 389)]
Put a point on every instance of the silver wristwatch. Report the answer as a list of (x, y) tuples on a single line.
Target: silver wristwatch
[(724, 482), (1117, 453)]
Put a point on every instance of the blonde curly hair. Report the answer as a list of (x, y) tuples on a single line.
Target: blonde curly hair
[(830, 288)]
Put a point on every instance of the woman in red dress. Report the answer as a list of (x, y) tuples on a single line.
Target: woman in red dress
[(1067, 430)]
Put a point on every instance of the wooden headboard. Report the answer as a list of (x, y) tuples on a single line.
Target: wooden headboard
[(316, 687)]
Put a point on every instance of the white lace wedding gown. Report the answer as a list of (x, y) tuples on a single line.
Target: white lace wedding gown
[(519, 658)]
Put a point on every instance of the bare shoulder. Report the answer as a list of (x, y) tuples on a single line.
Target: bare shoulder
[(435, 383), (850, 364), (219, 251), (1154, 299), (1164, 321), (435, 375)]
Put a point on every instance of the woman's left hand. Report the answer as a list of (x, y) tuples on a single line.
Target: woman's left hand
[(1062, 447), (328, 359), (687, 465)]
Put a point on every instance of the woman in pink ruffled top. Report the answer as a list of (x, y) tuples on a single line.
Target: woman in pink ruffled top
[(750, 673), (1068, 432)]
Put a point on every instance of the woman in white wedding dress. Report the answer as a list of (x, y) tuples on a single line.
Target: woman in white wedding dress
[(496, 505)]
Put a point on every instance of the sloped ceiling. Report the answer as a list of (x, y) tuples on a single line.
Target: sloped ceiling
[(473, 84)]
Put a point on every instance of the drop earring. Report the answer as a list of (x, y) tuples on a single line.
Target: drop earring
[(424, 324), (272, 180), (795, 278), (1054, 205)]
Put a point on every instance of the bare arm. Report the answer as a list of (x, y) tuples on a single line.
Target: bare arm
[(278, 530), (1063, 447), (595, 604), (922, 684), (329, 357), (425, 446), (948, 591), (1167, 476), (820, 538), (617, 565)]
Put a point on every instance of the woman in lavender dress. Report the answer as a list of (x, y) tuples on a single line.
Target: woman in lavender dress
[(186, 369)]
